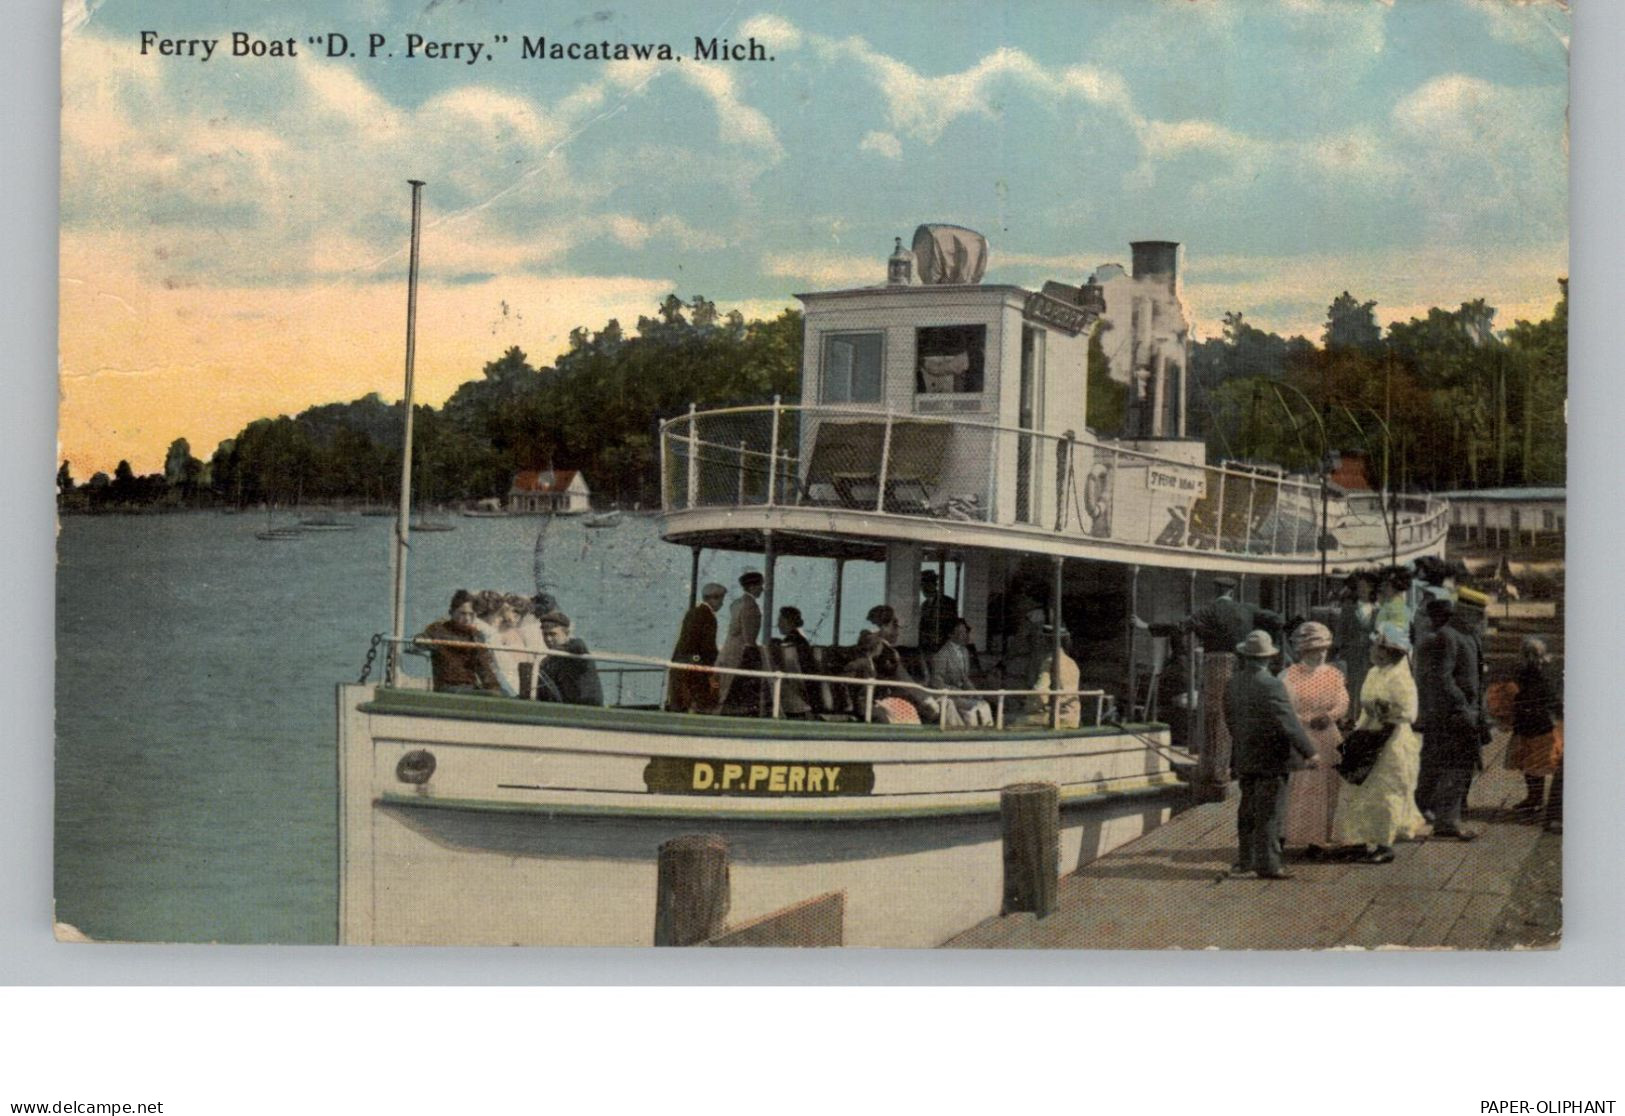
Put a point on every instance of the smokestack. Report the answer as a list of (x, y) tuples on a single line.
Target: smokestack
[(1157, 259)]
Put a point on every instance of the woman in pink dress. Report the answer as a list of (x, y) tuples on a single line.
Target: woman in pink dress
[(1320, 698)]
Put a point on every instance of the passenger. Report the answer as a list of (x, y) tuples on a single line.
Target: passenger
[(1070, 678), (1219, 628), (938, 614), (572, 681), (889, 665), (530, 638), (740, 643), (695, 691), (461, 669), (862, 665), (1270, 744), (1537, 732), (887, 628), (1392, 608), (1381, 809), (1355, 623), (1027, 648), (1451, 722), (1320, 698), (951, 670), (508, 647), (794, 655), (486, 602)]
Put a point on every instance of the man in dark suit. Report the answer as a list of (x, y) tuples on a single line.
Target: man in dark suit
[(1450, 718), (1218, 628), (938, 614), (572, 681), (695, 691), (1269, 745)]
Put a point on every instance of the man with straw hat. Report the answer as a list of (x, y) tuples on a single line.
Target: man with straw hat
[(1269, 744)]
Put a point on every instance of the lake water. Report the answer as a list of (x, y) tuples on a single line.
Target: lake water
[(195, 768)]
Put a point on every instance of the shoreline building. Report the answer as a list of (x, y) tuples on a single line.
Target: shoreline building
[(549, 492), (1533, 517)]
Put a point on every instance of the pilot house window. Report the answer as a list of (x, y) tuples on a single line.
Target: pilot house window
[(852, 367), (949, 359)]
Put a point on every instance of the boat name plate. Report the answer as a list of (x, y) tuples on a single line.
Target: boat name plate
[(1045, 310), (757, 778), (1185, 482)]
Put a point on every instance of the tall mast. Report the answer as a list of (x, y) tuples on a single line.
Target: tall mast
[(403, 522)]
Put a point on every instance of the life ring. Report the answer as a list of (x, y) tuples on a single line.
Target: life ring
[(1096, 491), (415, 767)]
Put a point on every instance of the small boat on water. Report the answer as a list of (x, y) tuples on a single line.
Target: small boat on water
[(940, 429), (603, 519), (325, 523), (280, 534), (430, 526), (489, 508)]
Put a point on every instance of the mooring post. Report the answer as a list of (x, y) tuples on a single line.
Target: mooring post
[(691, 890), (1030, 814)]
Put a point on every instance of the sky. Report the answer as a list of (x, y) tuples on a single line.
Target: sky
[(234, 231)]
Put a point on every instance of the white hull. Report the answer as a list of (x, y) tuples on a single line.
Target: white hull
[(547, 833)]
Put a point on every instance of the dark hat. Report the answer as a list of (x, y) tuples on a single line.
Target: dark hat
[(929, 577), (1224, 581), (555, 617), (1440, 606), (749, 578)]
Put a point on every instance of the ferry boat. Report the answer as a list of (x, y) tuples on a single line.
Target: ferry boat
[(940, 427)]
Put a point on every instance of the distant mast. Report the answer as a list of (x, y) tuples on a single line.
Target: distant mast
[(403, 523)]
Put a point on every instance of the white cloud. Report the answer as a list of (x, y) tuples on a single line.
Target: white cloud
[(826, 269), (780, 35), (631, 232), (737, 122), (882, 143), (923, 106), (1531, 23), (302, 185)]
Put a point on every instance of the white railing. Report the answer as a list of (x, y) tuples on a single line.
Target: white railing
[(996, 698), (900, 463)]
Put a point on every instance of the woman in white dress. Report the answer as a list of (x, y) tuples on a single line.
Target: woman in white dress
[(1372, 815)]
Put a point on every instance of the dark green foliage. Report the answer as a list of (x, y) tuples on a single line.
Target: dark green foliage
[(1464, 407)]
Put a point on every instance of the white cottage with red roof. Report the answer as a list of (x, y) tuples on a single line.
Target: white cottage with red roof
[(549, 492)]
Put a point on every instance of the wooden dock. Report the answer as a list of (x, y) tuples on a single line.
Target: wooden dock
[(1165, 891)]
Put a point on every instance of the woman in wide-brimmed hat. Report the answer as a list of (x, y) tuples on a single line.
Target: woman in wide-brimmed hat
[(1320, 698), (1373, 814)]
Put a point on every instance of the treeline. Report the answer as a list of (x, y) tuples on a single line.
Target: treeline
[(1463, 405), (596, 408), (1466, 406)]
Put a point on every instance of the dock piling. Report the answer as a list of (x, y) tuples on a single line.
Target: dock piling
[(1030, 815), (691, 890)]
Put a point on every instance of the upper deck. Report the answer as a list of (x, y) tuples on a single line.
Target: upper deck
[(844, 480)]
